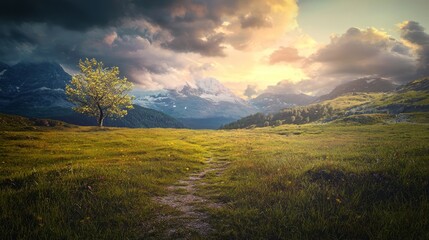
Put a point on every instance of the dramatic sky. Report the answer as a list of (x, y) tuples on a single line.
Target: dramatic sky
[(249, 45)]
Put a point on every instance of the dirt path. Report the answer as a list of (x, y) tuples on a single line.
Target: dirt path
[(189, 217)]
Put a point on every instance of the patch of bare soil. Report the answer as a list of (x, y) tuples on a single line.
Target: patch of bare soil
[(189, 220)]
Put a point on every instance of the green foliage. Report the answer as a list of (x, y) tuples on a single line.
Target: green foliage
[(99, 91), (365, 119), (297, 115)]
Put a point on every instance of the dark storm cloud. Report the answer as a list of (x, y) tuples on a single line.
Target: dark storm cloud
[(129, 49), (82, 16), (414, 33), (191, 23), (285, 54), (76, 14), (210, 46), (181, 17), (143, 38)]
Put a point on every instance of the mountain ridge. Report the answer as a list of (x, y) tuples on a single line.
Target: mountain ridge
[(360, 85), (25, 76)]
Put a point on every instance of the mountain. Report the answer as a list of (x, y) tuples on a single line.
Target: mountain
[(3, 66), (408, 103), (206, 101), (25, 77), (30, 86), (37, 90), (416, 85), (361, 85), (272, 102)]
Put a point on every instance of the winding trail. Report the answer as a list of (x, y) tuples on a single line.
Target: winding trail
[(182, 196)]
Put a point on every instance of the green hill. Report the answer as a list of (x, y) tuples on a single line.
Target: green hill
[(411, 98), (14, 122), (417, 85), (139, 117)]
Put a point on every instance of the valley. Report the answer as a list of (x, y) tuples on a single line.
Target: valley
[(214, 119)]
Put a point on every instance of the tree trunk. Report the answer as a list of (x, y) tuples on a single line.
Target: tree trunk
[(100, 116), (100, 121)]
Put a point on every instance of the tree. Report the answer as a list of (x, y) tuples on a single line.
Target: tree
[(307, 119), (99, 92)]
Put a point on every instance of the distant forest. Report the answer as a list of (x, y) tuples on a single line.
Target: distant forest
[(298, 115)]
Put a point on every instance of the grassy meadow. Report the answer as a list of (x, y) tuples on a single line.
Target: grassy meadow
[(313, 181)]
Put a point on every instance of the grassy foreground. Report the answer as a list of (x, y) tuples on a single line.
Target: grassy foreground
[(289, 182)]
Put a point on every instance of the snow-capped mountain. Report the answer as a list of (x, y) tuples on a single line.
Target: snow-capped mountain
[(210, 89), (206, 98)]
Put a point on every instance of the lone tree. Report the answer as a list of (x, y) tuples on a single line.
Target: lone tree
[(99, 92)]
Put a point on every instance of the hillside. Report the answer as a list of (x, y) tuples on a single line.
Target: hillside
[(139, 117), (417, 85), (413, 97), (17, 123), (366, 85)]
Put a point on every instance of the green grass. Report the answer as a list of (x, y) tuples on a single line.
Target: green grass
[(366, 119), (330, 181), (353, 100), (377, 100), (351, 182), (85, 183), (422, 117), (409, 98)]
